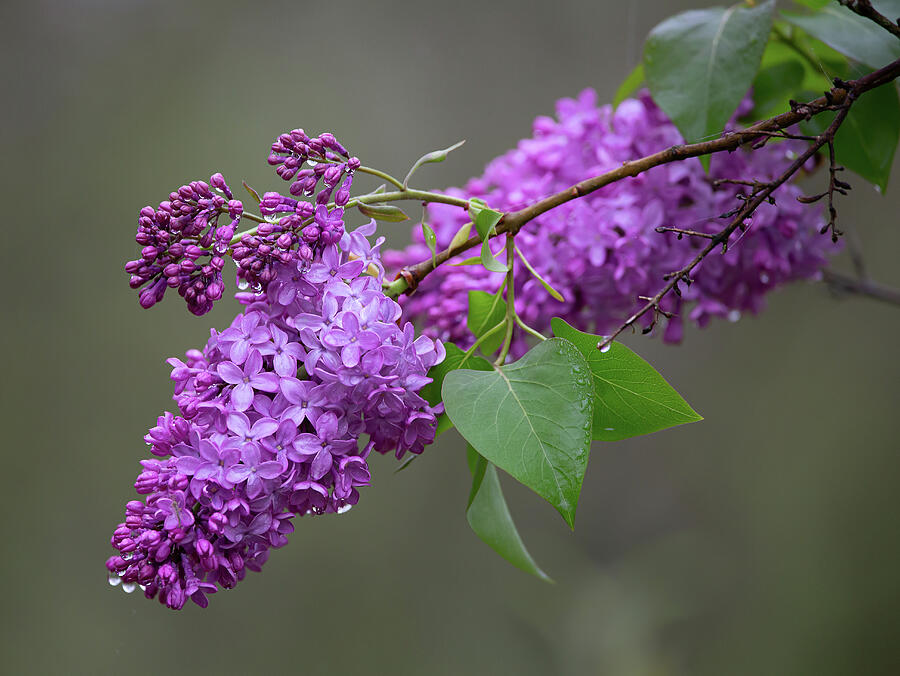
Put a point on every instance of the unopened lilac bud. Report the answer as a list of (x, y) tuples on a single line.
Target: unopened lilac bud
[(353, 164), (285, 240)]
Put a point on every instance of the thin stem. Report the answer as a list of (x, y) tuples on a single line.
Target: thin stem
[(485, 336), (381, 174), (510, 299), (534, 332), (410, 194)]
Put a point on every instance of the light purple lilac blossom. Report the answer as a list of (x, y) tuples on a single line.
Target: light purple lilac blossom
[(602, 251), (274, 415)]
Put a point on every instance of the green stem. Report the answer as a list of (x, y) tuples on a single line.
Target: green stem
[(534, 332), (485, 336), (381, 174), (510, 299)]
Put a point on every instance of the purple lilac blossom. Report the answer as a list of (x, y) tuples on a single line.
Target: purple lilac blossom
[(278, 415), (177, 239), (602, 251), (296, 232)]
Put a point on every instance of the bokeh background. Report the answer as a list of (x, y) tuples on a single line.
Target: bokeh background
[(763, 540)]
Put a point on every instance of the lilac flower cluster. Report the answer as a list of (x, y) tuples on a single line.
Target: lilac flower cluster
[(274, 412), (602, 251), (176, 236), (185, 228)]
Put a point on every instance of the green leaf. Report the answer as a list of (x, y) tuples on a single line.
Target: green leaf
[(461, 235), (476, 204), (631, 84), (488, 260), (485, 222), (553, 292), (253, 193), (813, 4), (488, 515), (850, 34), (474, 260), (430, 158), (383, 212), (630, 397), (486, 310), (455, 359), (531, 418), (430, 241), (867, 139), (700, 64)]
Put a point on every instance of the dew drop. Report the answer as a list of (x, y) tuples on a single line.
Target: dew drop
[(605, 348), (343, 509), (129, 587), (143, 587), (242, 284), (763, 277), (734, 315), (878, 189), (114, 580), (610, 429), (220, 247), (256, 288), (311, 163)]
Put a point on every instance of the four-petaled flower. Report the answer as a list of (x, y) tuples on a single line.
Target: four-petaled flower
[(247, 379)]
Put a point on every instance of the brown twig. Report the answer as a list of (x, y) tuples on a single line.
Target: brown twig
[(722, 237), (864, 9), (512, 222), (844, 284)]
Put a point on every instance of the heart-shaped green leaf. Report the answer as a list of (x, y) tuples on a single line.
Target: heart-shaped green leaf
[(454, 359), (630, 397), (699, 65), (488, 515), (531, 418)]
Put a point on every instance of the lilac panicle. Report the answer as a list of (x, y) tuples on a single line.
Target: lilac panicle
[(272, 414), (182, 233), (183, 242), (602, 251)]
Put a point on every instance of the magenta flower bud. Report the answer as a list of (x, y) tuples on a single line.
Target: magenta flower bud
[(217, 522), (285, 240), (143, 238), (149, 253), (310, 233), (146, 574), (193, 252), (353, 164)]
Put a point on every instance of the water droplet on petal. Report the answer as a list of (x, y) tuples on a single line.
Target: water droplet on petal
[(129, 587), (256, 288), (344, 508), (114, 580), (221, 247), (763, 277), (734, 315), (243, 284)]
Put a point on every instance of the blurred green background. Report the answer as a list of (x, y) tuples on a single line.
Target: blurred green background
[(763, 540)]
